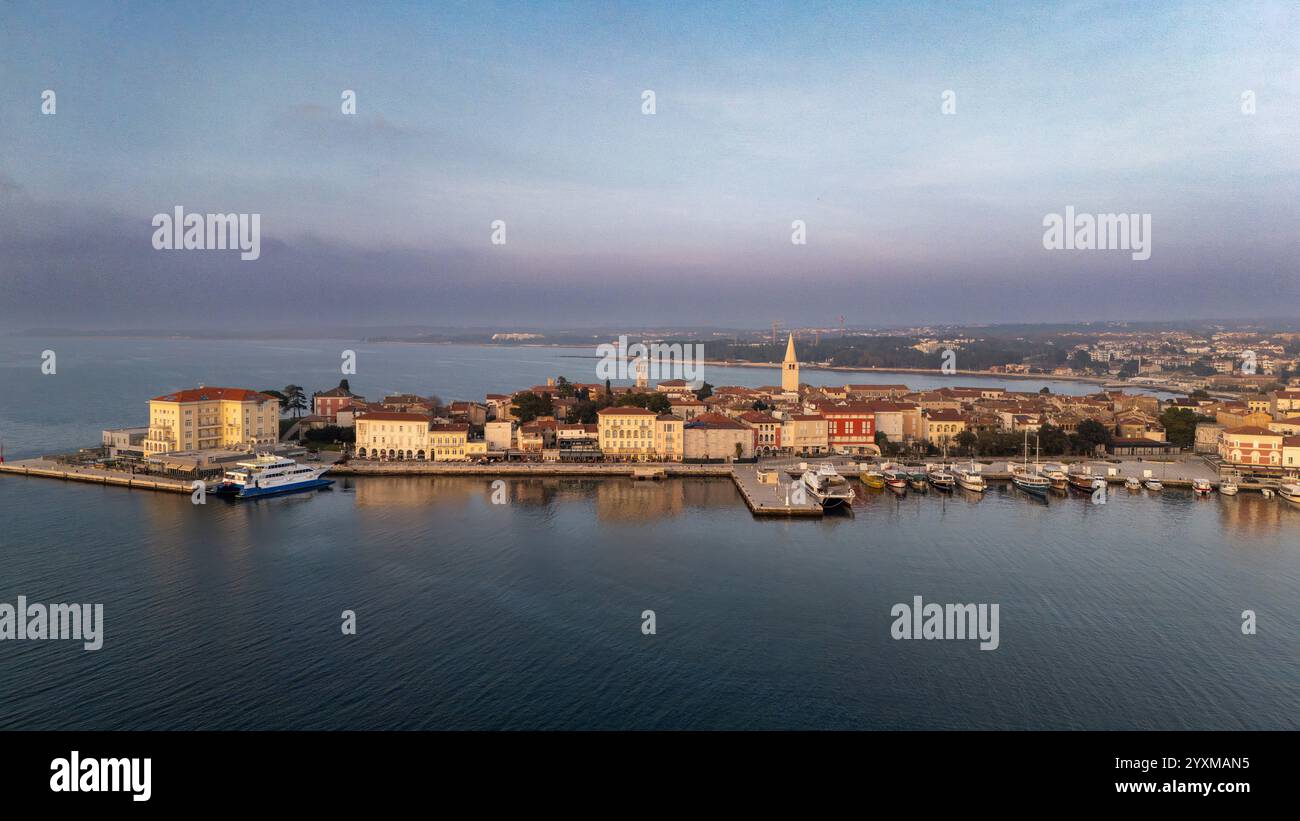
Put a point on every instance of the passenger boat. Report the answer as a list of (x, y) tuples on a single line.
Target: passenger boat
[(895, 480), (1290, 491), (269, 475), (939, 477), (1133, 483), (1202, 487), (970, 479), (1153, 484), (1056, 475), (827, 487)]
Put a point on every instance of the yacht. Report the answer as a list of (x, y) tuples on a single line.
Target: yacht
[(267, 475), (970, 479), (1153, 484), (1290, 491), (827, 487)]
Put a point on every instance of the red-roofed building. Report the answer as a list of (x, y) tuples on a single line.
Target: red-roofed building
[(767, 431), (206, 418), (850, 428)]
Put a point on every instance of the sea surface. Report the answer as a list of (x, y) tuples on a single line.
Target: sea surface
[(530, 614)]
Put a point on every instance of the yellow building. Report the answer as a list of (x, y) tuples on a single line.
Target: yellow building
[(211, 418), (805, 434), (449, 442), (392, 435), (670, 445), (627, 433)]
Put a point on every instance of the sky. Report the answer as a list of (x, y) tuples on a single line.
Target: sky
[(532, 114)]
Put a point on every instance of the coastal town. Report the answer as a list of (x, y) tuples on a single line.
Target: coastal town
[(1248, 440)]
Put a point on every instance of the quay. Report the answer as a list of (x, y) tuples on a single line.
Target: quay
[(54, 470)]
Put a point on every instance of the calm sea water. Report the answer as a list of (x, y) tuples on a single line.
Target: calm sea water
[(528, 614)]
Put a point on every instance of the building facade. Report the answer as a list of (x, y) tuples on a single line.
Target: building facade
[(212, 418)]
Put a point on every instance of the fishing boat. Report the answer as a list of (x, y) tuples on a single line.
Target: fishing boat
[(1290, 491), (939, 477), (873, 479), (1202, 487), (1229, 486), (918, 481), (269, 475), (895, 480), (1153, 484), (1133, 483), (827, 487), (969, 478)]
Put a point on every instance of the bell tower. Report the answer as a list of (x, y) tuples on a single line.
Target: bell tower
[(790, 369)]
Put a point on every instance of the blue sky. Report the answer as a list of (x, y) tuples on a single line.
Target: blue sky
[(766, 113)]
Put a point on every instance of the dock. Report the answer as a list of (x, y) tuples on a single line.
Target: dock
[(54, 470), (769, 499)]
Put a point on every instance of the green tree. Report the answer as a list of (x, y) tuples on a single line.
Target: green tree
[(1092, 433), (967, 440), (280, 397), (564, 388), (295, 400), (528, 406), (704, 392), (1180, 426), (343, 384)]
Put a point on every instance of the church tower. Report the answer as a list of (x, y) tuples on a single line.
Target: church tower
[(790, 370)]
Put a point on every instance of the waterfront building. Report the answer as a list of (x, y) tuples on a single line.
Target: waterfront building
[(205, 418), (805, 434), (537, 435), (1251, 445), (125, 442), (473, 413), (850, 428), (712, 436), (790, 371), (392, 435), (670, 439), (627, 433), (687, 408), (500, 435), (767, 431), (1291, 452), (449, 442)]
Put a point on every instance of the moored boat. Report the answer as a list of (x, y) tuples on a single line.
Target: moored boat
[(1229, 486), (1153, 484), (940, 478), (1202, 487), (918, 481), (1290, 491), (268, 475), (1080, 478), (969, 478), (873, 479), (827, 487), (1133, 483), (895, 480)]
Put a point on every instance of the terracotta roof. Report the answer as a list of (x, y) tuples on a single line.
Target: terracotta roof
[(1252, 430), (208, 394), (450, 427), (629, 410), (716, 421), (393, 416)]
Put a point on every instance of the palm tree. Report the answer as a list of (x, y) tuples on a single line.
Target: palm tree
[(295, 399)]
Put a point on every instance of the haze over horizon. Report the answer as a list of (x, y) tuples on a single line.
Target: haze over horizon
[(765, 114)]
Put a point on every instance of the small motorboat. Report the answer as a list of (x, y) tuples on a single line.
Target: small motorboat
[(873, 479), (1202, 487), (1266, 493), (1153, 484), (1133, 483), (1228, 486), (917, 481), (895, 480)]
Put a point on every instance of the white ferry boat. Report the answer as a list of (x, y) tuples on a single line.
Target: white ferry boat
[(267, 475), (827, 487)]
